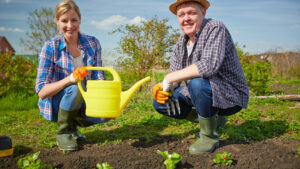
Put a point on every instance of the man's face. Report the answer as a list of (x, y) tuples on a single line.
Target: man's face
[(190, 17)]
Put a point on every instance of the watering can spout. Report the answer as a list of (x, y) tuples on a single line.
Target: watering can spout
[(126, 95)]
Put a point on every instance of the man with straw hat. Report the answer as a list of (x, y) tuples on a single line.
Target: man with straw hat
[(206, 60)]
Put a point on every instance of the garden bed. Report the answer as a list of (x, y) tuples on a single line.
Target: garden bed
[(138, 154)]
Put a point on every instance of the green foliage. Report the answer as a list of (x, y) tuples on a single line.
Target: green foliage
[(17, 101), (42, 28), (16, 74), (144, 46), (32, 162), (104, 166), (170, 159), (257, 72), (224, 159)]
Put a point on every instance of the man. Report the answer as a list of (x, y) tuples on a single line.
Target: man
[(205, 59)]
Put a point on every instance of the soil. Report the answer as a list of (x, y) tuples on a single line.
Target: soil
[(276, 153)]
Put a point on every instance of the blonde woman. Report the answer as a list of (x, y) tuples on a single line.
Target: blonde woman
[(62, 62)]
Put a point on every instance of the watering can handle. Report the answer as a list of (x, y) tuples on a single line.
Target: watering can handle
[(111, 70)]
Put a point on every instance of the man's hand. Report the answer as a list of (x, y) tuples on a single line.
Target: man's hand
[(159, 95), (79, 74)]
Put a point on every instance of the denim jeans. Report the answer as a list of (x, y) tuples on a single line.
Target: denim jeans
[(70, 99), (201, 98)]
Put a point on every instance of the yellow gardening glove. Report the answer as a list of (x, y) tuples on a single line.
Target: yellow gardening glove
[(159, 95), (79, 74)]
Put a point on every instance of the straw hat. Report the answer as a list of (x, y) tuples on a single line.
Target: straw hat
[(173, 7)]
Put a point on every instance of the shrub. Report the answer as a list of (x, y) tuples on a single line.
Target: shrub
[(16, 74), (257, 72)]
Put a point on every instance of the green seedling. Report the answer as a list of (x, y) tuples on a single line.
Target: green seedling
[(104, 166), (224, 159), (171, 159), (32, 162)]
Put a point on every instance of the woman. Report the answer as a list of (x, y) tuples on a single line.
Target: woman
[(62, 62)]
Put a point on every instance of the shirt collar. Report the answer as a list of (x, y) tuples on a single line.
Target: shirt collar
[(63, 44), (197, 34)]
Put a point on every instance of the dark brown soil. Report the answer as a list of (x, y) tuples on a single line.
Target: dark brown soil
[(274, 153)]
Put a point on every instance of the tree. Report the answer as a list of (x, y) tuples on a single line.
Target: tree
[(42, 28), (144, 46)]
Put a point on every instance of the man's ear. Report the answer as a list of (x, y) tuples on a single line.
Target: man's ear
[(204, 12)]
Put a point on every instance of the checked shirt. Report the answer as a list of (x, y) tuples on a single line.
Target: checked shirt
[(56, 63), (216, 58)]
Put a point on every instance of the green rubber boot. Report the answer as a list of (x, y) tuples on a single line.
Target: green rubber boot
[(221, 120), (209, 139), (192, 116), (66, 127)]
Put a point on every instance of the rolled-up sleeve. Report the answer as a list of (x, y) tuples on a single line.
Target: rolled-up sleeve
[(45, 67), (175, 63), (213, 52)]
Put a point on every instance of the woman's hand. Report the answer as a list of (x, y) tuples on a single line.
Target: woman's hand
[(79, 74)]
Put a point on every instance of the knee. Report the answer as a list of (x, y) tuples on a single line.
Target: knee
[(199, 85), (72, 90)]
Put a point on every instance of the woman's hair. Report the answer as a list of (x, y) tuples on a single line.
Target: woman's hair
[(64, 6)]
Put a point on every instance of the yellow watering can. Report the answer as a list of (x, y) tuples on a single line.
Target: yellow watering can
[(104, 98)]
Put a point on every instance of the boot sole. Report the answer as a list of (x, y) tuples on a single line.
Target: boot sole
[(210, 151), (66, 149)]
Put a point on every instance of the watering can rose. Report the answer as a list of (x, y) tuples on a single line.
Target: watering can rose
[(104, 98)]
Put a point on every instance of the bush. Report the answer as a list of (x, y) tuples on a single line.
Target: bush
[(16, 74), (257, 72)]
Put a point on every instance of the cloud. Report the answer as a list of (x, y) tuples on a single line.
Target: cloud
[(11, 29), (116, 20), (295, 27), (7, 1)]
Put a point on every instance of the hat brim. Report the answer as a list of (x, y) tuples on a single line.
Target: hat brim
[(173, 7)]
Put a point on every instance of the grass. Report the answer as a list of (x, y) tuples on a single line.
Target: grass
[(20, 119), (18, 101)]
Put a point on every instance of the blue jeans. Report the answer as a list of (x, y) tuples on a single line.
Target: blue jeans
[(201, 98), (70, 99)]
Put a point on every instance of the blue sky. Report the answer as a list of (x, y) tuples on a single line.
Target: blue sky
[(260, 25)]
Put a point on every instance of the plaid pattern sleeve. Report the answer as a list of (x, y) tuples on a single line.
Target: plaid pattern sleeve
[(216, 58), (44, 75), (45, 68)]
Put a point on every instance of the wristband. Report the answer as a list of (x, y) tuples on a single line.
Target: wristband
[(72, 78)]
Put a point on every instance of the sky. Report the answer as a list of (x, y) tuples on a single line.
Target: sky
[(259, 25)]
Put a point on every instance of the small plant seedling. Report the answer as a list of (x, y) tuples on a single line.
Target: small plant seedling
[(224, 159), (32, 162), (104, 166), (171, 159)]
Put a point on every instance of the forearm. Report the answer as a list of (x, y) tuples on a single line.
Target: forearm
[(52, 89), (183, 74)]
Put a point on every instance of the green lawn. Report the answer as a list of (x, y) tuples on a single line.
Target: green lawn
[(20, 119)]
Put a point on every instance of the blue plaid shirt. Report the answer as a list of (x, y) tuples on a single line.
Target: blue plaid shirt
[(55, 63)]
